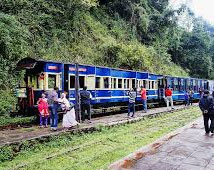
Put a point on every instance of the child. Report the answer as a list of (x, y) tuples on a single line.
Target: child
[(43, 110)]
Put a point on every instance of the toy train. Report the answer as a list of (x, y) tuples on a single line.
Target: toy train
[(108, 86)]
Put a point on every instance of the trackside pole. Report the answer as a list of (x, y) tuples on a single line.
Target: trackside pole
[(77, 95)]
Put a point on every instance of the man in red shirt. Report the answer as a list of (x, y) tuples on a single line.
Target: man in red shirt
[(144, 98), (168, 95)]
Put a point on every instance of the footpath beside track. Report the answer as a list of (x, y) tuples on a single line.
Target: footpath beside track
[(8, 137), (187, 148)]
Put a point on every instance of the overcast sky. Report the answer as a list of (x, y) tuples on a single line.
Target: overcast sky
[(204, 8)]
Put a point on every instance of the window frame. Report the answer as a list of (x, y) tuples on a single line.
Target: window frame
[(69, 79), (58, 82), (152, 85), (121, 83), (103, 83), (125, 85), (128, 83), (114, 83), (100, 82)]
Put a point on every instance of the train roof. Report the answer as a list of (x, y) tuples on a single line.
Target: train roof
[(30, 63)]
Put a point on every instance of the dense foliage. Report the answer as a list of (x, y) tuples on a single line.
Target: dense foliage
[(131, 34)]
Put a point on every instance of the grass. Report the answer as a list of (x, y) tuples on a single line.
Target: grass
[(96, 150), (7, 120)]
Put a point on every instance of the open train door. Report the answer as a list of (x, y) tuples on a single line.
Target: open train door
[(162, 84)]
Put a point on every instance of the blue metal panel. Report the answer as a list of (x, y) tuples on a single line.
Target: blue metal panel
[(103, 71), (103, 93), (141, 75), (122, 73), (118, 93), (153, 76), (152, 94)]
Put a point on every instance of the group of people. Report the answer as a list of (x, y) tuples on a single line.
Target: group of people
[(133, 94), (50, 102), (167, 97), (189, 97), (206, 104), (132, 98)]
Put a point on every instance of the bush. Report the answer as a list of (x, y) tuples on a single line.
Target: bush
[(7, 102)]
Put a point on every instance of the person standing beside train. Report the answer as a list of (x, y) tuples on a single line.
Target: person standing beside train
[(168, 95), (200, 92), (85, 101), (206, 105), (191, 95), (186, 98), (131, 106), (144, 98), (53, 103)]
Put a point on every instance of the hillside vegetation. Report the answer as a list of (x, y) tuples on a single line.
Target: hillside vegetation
[(131, 34)]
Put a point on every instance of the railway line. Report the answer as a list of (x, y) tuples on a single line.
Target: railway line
[(96, 113), (20, 134)]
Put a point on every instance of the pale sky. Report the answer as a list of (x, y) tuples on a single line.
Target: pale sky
[(204, 8)]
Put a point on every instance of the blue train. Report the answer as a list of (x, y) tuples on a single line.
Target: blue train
[(108, 86)]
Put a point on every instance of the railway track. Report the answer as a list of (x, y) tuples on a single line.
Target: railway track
[(96, 113)]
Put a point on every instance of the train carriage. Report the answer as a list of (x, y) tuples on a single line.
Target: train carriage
[(108, 86)]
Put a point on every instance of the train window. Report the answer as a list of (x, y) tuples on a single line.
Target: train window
[(60, 81), (51, 81), (153, 84), (179, 85), (82, 81), (140, 83), (188, 84), (149, 84), (125, 83), (97, 83), (32, 81), (72, 82), (156, 85), (199, 83), (113, 83), (175, 84), (37, 81), (40, 82), (106, 82), (133, 83), (182, 85), (119, 83), (128, 82), (202, 84), (194, 85), (90, 82), (144, 83), (137, 84)]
